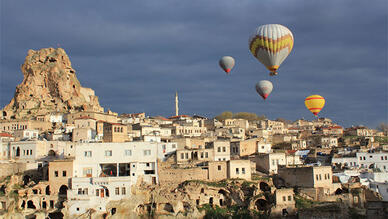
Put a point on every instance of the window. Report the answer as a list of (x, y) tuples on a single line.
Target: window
[(243, 170), (87, 172), (117, 191), (123, 191), (147, 152), (219, 167), (284, 198), (128, 152), (201, 154), (88, 153), (173, 145), (218, 149), (86, 192), (56, 173), (237, 171), (182, 156), (79, 191), (320, 178), (186, 155), (97, 192), (224, 149), (206, 154), (64, 173), (289, 198), (316, 177), (147, 164), (108, 153)]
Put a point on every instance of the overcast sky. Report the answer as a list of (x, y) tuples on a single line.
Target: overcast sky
[(136, 54)]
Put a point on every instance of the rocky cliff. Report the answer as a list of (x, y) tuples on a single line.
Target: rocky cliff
[(49, 85)]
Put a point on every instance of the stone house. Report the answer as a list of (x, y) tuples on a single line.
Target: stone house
[(26, 134), (108, 117), (12, 125), (221, 150), (239, 169), (358, 131), (240, 123), (115, 132), (84, 135), (59, 174), (308, 177), (275, 127), (270, 163), (284, 202), (247, 147)]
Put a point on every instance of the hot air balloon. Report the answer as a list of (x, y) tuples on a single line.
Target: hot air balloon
[(271, 44), (314, 103), (227, 63), (264, 88)]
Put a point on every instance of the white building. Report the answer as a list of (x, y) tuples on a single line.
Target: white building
[(378, 182), (26, 134), (29, 151), (269, 163), (364, 160), (381, 188), (221, 150), (350, 162), (106, 171), (57, 118), (373, 160), (264, 148)]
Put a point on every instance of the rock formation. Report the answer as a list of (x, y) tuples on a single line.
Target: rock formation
[(49, 85)]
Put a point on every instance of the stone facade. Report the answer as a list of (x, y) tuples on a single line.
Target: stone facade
[(60, 172)]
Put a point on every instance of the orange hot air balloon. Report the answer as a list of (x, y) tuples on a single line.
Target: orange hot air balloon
[(314, 103)]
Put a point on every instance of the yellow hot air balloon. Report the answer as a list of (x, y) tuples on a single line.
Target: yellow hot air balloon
[(314, 103), (271, 44)]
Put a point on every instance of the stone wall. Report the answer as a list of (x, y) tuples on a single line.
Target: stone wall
[(7, 169)]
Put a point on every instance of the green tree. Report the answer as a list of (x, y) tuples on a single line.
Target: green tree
[(383, 127), (245, 115), (224, 115)]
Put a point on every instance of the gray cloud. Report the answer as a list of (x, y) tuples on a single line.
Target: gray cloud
[(136, 55)]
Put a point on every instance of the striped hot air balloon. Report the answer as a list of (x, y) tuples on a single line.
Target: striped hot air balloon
[(271, 44), (314, 103)]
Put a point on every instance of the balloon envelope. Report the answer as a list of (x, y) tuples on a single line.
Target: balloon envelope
[(264, 88), (314, 103), (271, 44), (227, 63)]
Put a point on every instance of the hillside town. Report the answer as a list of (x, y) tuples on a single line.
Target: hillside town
[(85, 160), (67, 157)]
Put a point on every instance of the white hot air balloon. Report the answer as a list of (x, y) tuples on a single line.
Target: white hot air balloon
[(227, 63), (264, 88)]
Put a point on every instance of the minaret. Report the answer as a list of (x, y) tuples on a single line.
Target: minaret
[(176, 104)]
